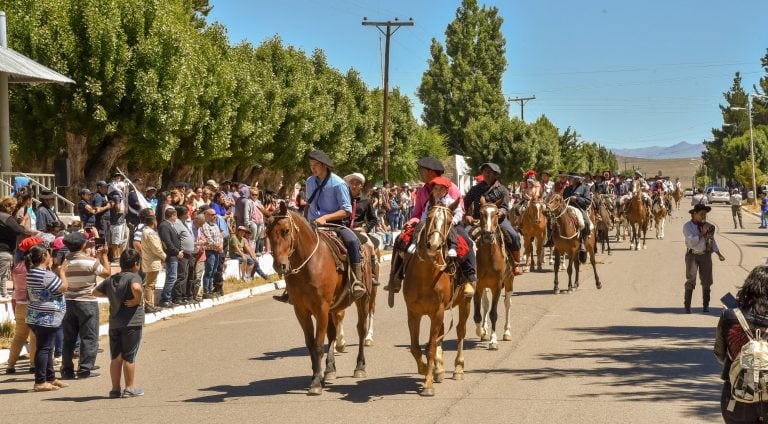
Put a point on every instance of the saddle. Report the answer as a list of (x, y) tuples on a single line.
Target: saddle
[(336, 245)]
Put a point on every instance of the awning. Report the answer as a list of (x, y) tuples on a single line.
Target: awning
[(21, 69)]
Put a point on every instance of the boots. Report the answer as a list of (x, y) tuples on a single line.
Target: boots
[(374, 272), (688, 296), (469, 289), (516, 258), (358, 289), (283, 297), (705, 298), (549, 242), (395, 274)]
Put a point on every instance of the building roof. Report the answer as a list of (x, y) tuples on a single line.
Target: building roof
[(21, 69)]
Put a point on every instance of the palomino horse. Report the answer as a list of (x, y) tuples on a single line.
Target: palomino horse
[(428, 290), (659, 211), (603, 206), (534, 228), (565, 235), (677, 195), (493, 272), (317, 290), (638, 218)]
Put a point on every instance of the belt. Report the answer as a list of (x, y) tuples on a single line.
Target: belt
[(696, 252)]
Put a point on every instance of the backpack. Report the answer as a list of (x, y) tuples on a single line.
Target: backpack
[(749, 370)]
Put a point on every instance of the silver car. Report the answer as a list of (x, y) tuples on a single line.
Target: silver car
[(718, 194)]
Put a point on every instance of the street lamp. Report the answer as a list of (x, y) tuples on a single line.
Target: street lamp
[(698, 162), (751, 136)]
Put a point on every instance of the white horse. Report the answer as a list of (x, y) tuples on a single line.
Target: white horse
[(659, 217)]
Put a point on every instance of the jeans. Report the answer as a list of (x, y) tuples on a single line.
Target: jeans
[(387, 236), (211, 260), (81, 319), (180, 288), (171, 275), (764, 219), (44, 370), (58, 342)]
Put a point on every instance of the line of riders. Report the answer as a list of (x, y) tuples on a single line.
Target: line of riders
[(340, 205)]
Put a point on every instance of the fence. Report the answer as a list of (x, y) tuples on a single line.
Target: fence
[(38, 182)]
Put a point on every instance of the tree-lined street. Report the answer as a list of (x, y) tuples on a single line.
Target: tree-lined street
[(626, 352)]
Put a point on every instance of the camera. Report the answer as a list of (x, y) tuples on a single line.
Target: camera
[(99, 242)]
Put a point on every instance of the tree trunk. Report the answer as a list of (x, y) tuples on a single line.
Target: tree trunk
[(77, 152), (101, 162)]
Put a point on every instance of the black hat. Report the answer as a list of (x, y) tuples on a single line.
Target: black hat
[(699, 207), (180, 184), (84, 191), (546, 172), (46, 194), (587, 174), (431, 163), (492, 166), (101, 183), (575, 175), (321, 157)]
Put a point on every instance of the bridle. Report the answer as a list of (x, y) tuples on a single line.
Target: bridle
[(488, 235), (565, 205), (432, 228), (292, 248)]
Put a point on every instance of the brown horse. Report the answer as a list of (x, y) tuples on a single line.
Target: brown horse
[(493, 272), (317, 290), (677, 195), (659, 212), (367, 243), (428, 290), (534, 228), (638, 218), (565, 235), (602, 205)]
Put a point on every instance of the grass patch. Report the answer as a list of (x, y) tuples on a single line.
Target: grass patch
[(6, 333)]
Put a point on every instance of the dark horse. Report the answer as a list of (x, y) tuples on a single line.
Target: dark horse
[(603, 206), (317, 289), (428, 290)]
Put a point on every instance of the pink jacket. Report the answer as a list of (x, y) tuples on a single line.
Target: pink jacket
[(422, 199)]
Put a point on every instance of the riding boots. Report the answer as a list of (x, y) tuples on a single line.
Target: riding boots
[(705, 297), (469, 289), (549, 242), (688, 296), (516, 258), (358, 289), (374, 271), (283, 297)]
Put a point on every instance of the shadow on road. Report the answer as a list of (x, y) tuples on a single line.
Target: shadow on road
[(271, 356), (679, 311), (648, 364), (13, 391), (79, 399)]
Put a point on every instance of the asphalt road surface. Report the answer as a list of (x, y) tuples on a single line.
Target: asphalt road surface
[(624, 353)]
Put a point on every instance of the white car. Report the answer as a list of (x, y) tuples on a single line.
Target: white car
[(688, 192), (718, 194)]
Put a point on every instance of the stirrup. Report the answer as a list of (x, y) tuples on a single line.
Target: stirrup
[(358, 291)]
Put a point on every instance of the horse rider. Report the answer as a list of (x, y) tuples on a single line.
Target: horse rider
[(587, 180), (362, 219), (600, 187), (429, 169), (328, 205), (529, 189), (440, 187), (561, 183), (644, 187), (546, 185), (578, 195), (621, 189), (492, 189)]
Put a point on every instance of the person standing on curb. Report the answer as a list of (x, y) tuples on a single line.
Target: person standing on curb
[(763, 210), (700, 243), (736, 208), (152, 258), (126, 319)]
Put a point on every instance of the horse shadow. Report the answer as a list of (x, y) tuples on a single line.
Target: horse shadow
[(357, 391), (271, 356), (674, 311), (664, 362), (533, 293)]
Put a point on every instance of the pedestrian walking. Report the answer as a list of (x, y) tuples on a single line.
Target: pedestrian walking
[(736, 208), (699, 198), (700, 244), (763, 210)]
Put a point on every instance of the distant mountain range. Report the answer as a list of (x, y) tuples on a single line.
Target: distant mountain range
[(679, 150)]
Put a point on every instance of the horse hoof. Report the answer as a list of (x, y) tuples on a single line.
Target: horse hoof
[(493, 346), (556, 291), (599, 285), (438, 378), (458, 376), (315, 391), (485, 338), (645, 247), (360, 374), (329, 376), (368, 342), (507, 338), (427, 392), (569, 291), (341, 348)]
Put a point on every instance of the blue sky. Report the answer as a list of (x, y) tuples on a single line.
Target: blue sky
[(623, 73)]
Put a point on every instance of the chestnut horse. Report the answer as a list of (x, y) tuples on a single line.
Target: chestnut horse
[(317, 290), (565, 235), (638, 217), (428, 290), (534, 228), (677, 195), (659, 211), (493, 272), (604, 220)]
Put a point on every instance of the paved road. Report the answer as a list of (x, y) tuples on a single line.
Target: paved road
[(625, 352)]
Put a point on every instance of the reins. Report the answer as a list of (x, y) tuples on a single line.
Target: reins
[(292, 248), (557, 221)]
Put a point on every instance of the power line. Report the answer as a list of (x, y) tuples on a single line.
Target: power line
[(523, 101)]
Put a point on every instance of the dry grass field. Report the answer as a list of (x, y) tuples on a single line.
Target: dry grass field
[(673, 168)]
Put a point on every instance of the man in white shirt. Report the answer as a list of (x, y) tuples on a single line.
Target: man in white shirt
[(736, 207), (700, 244), (699, 198)]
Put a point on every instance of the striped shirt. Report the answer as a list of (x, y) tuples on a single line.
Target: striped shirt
[(212, 236), (46, 305), (81, 276)]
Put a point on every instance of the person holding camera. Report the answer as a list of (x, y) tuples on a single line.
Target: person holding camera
[(82, 316), (700, 244)]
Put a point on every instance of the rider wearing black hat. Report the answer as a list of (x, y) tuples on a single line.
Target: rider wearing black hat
[(492, 189), (578, 195)]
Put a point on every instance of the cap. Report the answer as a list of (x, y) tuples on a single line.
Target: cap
[(243, 228), (321, 157), (431, 163), (699, 207), (441, 181), (74, 239), (84, 191), (492, 166), (46, 194), (212, 183), (28, 242), (150, 188), (529, 172), (355, 176)]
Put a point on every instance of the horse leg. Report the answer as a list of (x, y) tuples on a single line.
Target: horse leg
[(414, 322), (663, 222), (305, 321), (363, 314), (438, 371), (435, 326), (557, 271), (371, 312), (478, 315), (321, 329), (577, 268), (461, 333), (334, 320), (339, 342), (570, 270), (486, 308), (539, 252), (594, 269), (507, 307), (494, 315)]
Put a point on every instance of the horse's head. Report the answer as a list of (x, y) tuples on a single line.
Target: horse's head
[(556, 203), (438, 225), (282, 233), (489, 219)]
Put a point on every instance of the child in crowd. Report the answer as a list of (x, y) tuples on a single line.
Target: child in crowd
[(383, 229)]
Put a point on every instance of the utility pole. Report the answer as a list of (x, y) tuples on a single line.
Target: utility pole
[(388, 33), (523, 101)]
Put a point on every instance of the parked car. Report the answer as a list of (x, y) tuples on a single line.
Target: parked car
[(688, 192), (718, 194)]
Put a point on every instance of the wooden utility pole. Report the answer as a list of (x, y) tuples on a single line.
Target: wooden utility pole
[(388, 33), (523, 101)]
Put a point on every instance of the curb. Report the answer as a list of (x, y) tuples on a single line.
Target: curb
[(151, 318)]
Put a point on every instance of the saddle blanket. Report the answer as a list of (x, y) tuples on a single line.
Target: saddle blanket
[(580, 218)]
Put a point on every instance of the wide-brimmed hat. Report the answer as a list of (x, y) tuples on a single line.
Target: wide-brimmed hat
[(212, 183), (431, 163), (150, 188), (638, 173), (699, 207), (355, 176), (321, 157), (246, 229), (492, 166), (46, 194)]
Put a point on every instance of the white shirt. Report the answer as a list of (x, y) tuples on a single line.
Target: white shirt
[(694, 240)]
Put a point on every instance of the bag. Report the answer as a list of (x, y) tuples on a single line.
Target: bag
[(749, 370)]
